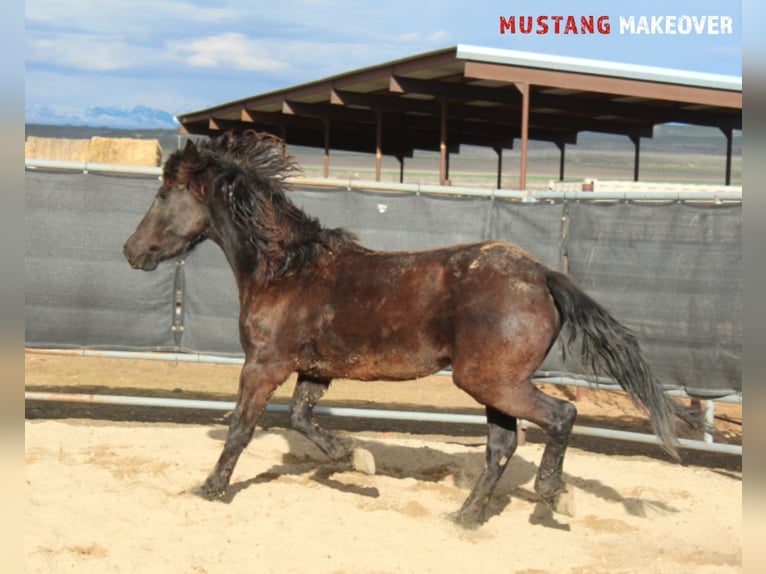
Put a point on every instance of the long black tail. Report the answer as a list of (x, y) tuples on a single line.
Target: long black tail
[(609, 347)]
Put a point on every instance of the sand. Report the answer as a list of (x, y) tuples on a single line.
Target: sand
[(110, 491), (115, 497)]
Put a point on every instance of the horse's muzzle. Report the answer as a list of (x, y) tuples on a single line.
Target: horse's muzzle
[(144, 261)]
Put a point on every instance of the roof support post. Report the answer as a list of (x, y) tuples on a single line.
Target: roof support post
[(326, 168), (562, 147), (499, 151), (525, 89), (378, 143), (283, 135), (727, 175), (636, 155), (443, 152)]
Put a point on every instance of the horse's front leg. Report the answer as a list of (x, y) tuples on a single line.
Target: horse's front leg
[(257, 383), (308, 391)]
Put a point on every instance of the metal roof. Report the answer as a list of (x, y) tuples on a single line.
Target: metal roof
[(481, 96), (600, 67)]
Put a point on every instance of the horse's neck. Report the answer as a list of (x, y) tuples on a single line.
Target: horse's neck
[(241, 256), (301, 241)]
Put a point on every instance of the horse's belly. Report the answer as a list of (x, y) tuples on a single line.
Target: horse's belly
[(392, 364)]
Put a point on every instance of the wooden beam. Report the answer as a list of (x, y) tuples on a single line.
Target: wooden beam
[(435, 88), (505, 118), (491, 136), (604, 84), (590, 125), (222, 125), (330, 111), (562, 147), (644, 109), (378, 143), (404, 66), (636, 155), (499, 152), (727, 173), (443, 152), (386, 103), (509, 113), (524, 135), (326, 162), (277, 120)]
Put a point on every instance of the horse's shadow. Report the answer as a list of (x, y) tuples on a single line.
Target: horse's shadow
[(426, 464)]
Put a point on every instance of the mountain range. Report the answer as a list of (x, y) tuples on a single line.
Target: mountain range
[(121, 117)]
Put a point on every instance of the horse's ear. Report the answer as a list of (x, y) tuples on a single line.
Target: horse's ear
[(190, 151)]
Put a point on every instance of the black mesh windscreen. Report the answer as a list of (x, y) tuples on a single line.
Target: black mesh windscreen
[(80, 291), (671, 272)]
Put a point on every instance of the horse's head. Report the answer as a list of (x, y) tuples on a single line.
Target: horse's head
[(177, 220)]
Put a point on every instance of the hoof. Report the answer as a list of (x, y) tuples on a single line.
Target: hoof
[(467, 520), (363, 461), (208, 492), (563, 502)]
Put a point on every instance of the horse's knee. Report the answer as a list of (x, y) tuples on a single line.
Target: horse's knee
[(563, 424)]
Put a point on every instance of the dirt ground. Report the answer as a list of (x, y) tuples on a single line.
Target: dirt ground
[(108, 488)]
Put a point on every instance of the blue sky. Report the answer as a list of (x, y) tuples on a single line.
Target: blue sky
[(183, 55)]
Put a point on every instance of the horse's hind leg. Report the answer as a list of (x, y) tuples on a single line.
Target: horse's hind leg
[(524, 401), (501, 444), (307, 393), (556, 417)]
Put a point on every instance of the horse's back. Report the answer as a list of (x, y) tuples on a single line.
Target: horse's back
[(494, 256)]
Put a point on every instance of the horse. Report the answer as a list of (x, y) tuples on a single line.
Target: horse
[(314, 301)]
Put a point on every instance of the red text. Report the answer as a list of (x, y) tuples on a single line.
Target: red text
[(554, 25)]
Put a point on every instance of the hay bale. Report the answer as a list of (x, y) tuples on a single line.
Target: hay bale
[(125, 151), (57, 149), (120, 151)]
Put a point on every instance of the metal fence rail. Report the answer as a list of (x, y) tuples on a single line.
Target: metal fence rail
[(387, 414), (671, 194)]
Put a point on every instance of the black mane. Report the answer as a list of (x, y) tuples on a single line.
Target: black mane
[(247, 173)]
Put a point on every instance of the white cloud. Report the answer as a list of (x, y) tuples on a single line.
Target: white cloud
[(92, 52), (230, 50), (438, 37), (185, 11), (88, 14)]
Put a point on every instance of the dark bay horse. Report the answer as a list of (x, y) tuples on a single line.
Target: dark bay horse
[(315, 302)]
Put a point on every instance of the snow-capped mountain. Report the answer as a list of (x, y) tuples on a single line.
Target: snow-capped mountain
[(138, 117)]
